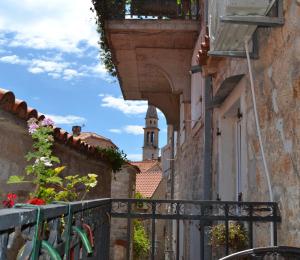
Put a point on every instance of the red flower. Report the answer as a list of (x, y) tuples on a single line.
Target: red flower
[(10, 200), (36, 201)]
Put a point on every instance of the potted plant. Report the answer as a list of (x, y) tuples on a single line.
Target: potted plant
[(237, 238)]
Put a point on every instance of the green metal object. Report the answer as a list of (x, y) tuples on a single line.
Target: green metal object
[(68, 228), (36, 243), (84, 239), (54, 255)]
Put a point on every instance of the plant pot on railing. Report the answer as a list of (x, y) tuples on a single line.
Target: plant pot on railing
[(237, 239)]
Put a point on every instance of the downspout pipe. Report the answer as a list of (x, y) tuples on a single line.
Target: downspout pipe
[(207, 178), (205, 250), (267, 173)]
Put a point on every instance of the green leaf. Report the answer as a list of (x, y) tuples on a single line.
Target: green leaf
[(54, 179), (58, 170), (17, 179)]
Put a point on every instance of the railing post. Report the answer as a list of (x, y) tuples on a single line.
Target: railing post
[(226, 229), (3, 246), (128, 230), (274, 209), (153, 230), (250, 226), (202, 235), (177, 230)]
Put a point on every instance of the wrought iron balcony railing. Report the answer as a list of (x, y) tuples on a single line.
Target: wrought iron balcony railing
[(81, 230), (148, 9), (56, 231)]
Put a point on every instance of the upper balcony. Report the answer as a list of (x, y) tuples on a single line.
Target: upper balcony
[(148, 9), (151, 43)]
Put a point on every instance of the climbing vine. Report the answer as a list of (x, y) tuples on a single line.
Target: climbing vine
[(115, 157), (105, 52)]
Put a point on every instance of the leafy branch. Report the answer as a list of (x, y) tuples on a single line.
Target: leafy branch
[(48, 180), (116, 157)]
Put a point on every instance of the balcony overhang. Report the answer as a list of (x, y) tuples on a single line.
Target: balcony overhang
[(153, 59)]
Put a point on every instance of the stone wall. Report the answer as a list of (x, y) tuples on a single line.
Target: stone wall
[(123, 186), (15, 142), (277, 86), (189, 186)]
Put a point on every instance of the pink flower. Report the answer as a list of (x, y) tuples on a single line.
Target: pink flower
[(33, 127), (47, 122), (10, 200)]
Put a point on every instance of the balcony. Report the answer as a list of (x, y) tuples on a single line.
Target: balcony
[(148, 9), (151, 44), (81, 230)]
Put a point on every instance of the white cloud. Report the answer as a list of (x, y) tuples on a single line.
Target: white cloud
[(49, 65), (134, 129), (13, 59), (96, 70), (56, 67), (126, 106), (134, 157), (129, 129), (71, 73), (35, 70), (115, 130), (54, 24), (67, 120)]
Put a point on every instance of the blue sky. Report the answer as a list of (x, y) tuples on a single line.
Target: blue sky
[(49, 57)]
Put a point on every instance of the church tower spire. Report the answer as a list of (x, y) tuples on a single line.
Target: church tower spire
[(150, 148)]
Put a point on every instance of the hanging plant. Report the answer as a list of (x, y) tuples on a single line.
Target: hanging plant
[(115, 157), (105, 51), (237, 236)]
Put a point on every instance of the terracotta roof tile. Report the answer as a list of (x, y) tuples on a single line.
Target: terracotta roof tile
[(9, 103), (145, 165), (147, 182), (203, 52)]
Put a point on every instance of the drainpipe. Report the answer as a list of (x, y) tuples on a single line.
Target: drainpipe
[(207, 178), (172, 175), (205, 250), (172, 165), (267, 173)]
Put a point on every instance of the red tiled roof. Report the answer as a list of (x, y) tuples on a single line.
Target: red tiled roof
[(9, 103), (147, 183), (85, 135), (148, 180), (145, 165), (203, 52)]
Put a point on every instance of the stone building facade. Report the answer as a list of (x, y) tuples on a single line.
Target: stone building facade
[(196, 72)]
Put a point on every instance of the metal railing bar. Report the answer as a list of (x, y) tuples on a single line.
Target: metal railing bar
[(199, 202), (10, 218), (198, 217)]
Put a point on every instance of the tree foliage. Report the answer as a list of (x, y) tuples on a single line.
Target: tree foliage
[(115, 156), (141, 242)]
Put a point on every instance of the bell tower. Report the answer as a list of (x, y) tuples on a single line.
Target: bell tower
[(150, 148)]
